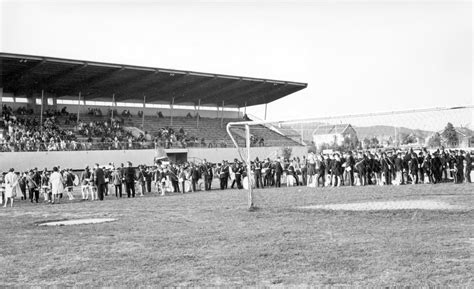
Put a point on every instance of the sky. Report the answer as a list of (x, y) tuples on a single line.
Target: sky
[(356, 56)]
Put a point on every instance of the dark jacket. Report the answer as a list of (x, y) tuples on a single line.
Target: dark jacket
[(99, 177), (129, 175)]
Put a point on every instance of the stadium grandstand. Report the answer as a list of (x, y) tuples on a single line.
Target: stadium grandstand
[(53, 104)]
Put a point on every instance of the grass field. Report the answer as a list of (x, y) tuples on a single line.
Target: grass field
[(209, 238)]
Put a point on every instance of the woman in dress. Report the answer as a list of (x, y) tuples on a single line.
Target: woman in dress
[(11, 187), (56, 181)]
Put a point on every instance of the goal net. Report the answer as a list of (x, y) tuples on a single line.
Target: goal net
[(289, 141)]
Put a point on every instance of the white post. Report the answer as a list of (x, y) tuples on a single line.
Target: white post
[(247, 138), (265, 111)]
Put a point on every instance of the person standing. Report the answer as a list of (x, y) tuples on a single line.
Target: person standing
[(129, 177), (209, 176), (33, 192), (304, 171), (278, 173), (459, 167), (56, 182), (69, 180), (194, 177), (182, 179), (221, 170), (468, 167), (22, 184), (85, 183), (11, 187), (413, 168), (141, 180), (99, 181), (117, 181), (148, 179), (258, 173)]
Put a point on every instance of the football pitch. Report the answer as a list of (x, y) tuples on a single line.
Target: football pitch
[(210, 239)]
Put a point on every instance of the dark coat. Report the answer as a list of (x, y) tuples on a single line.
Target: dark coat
[(99, 177)]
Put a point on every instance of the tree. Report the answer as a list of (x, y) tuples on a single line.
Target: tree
[(409, 138), (450, 135), (312, 148), (350, 143), (366, 142), (434, 141), (374, 142)]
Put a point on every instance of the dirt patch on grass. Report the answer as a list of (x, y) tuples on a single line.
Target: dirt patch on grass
[(78, 222), (387, 205)]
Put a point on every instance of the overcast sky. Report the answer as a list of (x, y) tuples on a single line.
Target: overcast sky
[(356, 56)]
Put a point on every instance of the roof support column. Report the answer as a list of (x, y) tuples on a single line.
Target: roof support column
[(42, 109), (1, 101), (245, 110), (78, 105), (222, 115), (265, 118), (171, 115), (143, 112), (113, 107), (197, 115), (238, 112)]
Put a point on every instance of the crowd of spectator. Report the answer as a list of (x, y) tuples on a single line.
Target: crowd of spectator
[(26, 134), (62, 130)]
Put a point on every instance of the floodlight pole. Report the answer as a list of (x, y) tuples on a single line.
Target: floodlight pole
[(249, 168)]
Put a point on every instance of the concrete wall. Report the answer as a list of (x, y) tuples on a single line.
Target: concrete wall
[(79, 159)]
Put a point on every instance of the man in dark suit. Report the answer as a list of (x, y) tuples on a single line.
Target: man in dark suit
[(129, 177), (468, 160), (99, 181), (278, 173)]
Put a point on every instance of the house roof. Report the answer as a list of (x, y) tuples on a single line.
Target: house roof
[(464, 131)]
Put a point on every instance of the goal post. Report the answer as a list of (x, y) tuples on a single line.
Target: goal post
[(415, 129)]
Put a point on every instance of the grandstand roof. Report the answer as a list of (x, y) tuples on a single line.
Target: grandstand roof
[(23, 74)]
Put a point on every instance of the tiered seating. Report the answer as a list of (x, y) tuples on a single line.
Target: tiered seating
[(211, 130)]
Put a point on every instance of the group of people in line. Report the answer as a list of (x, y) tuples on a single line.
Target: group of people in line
[(350, 168)]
